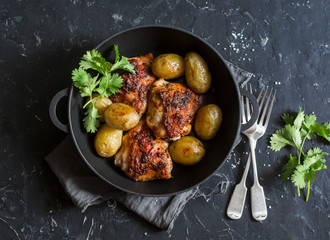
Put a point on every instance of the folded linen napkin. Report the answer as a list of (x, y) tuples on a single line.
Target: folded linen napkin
[(86, 189)]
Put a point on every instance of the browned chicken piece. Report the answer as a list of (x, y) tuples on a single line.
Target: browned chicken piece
[(135, 86), (142, 157), (171, 108)]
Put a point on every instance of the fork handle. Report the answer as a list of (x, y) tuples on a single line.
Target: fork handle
[(258, 201), (237, 200), (236, 204)]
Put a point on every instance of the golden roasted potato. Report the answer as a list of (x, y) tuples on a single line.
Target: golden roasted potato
[(187, 150), (198, 76), (101, 104), (107, 141), (121, 116), (168, 66), (208, 121)]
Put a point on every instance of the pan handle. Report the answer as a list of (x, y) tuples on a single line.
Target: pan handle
[(52, 110), (255, 106)]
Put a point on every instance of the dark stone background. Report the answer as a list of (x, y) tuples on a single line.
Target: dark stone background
[(284, 43)]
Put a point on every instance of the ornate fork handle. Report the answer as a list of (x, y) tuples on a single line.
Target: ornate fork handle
[(236, 204), (258, 201)]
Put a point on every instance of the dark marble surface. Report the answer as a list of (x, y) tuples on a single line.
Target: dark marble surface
[(284, 43)]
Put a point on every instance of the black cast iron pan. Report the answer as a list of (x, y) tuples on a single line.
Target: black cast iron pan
[(224, 92)]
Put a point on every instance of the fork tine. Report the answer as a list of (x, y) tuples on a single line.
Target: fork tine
[(270, 109), (259, 96), (248, 110), (261, 121), (242, 110), (251, 103), (263, 98)]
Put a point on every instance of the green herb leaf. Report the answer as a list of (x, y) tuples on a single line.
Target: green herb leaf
[(84, 82), (299, 119), (91, 123), (294, 133), (288, 119), (109, 85), (313, 162), (289, 135), (123, 64), (322, 131), (117, 53), (94, 60), (80, 78), (309, 121), (298, 178), (289, 168)]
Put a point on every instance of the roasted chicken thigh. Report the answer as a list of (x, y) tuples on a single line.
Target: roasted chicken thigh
[(171, 108), (142, 157), (135, 86)]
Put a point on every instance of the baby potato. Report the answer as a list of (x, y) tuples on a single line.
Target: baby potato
[(208, 121), (121, 116), (107, 141), (198, 76), (187, 150), (168, 66), (101, 104)]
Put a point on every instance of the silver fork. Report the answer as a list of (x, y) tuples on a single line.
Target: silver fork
[(258, 203)]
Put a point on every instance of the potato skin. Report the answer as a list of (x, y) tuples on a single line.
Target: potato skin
[(198, 76), (208, 121), (121, 116), (107, 141), (101, 104), (187, 150), (168, 66)]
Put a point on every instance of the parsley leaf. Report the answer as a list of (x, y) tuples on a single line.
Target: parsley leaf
[(94, 60), (289, 135), (109, 85), (117, 53), (303, 167), (105, 82), (299, 119), (309, 121), (84, 82), (289, 168), (313, 162), (288, 119), (91, 123), (123, 64), (322, 131)]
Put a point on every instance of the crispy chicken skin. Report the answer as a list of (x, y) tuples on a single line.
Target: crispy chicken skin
[(171, 108), (142, 157), (135, 86)]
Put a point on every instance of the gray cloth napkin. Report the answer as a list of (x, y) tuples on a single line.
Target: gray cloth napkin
[(86, 189)]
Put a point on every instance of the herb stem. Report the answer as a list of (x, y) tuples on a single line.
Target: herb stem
[(106, 86), (308, 189), (86, 104)]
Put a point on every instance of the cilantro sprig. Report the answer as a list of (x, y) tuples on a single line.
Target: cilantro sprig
[(106, 82), (302, 167)]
